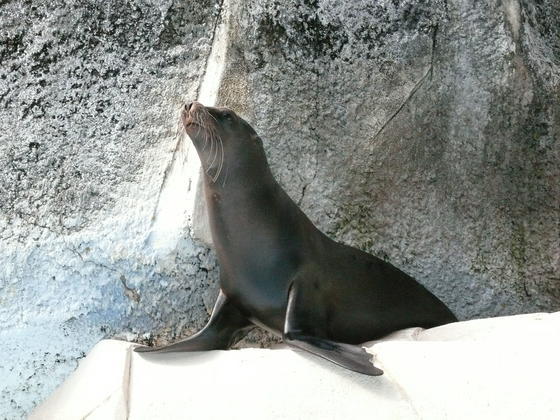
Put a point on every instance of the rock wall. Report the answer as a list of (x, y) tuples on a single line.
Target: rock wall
[(423, 132), (94, 242)]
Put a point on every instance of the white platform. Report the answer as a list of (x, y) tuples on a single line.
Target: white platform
[(500, 368)]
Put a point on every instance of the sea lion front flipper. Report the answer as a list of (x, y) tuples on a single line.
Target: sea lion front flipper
[(295, 334), (225, 327)]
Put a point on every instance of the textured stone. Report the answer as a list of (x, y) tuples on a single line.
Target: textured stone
[(89, 98), (423, 132)]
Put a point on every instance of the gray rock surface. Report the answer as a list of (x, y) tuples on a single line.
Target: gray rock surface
[(89, 98), (423, 132)]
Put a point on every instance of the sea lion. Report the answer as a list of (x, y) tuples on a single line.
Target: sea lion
[(278, 271)]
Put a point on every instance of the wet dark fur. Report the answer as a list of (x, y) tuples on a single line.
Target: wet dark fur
[(278, 271)]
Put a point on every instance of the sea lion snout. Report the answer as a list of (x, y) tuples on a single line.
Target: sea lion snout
[(192, 106), (189, 111)]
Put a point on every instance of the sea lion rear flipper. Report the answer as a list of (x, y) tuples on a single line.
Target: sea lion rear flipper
[(225, 327), (295, 334)]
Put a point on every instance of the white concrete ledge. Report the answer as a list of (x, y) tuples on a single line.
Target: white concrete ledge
[(500, 368)]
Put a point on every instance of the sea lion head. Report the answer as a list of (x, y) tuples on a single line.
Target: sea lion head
[(225, 142)]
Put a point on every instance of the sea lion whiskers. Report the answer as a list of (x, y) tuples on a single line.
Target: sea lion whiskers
[(219, 170), (201, 118), (209, 127), (209, 136), (214, 156), (200, 126), (215, 138), (205, 140), (222, 155), (210, 133), (210, 130)]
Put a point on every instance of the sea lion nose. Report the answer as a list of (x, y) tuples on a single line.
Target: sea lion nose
[(192, 106)]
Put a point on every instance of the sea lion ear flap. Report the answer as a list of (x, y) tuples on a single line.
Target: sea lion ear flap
[(255, 137)]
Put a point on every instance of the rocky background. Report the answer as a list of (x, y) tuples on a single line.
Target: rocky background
[(424, 132)]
